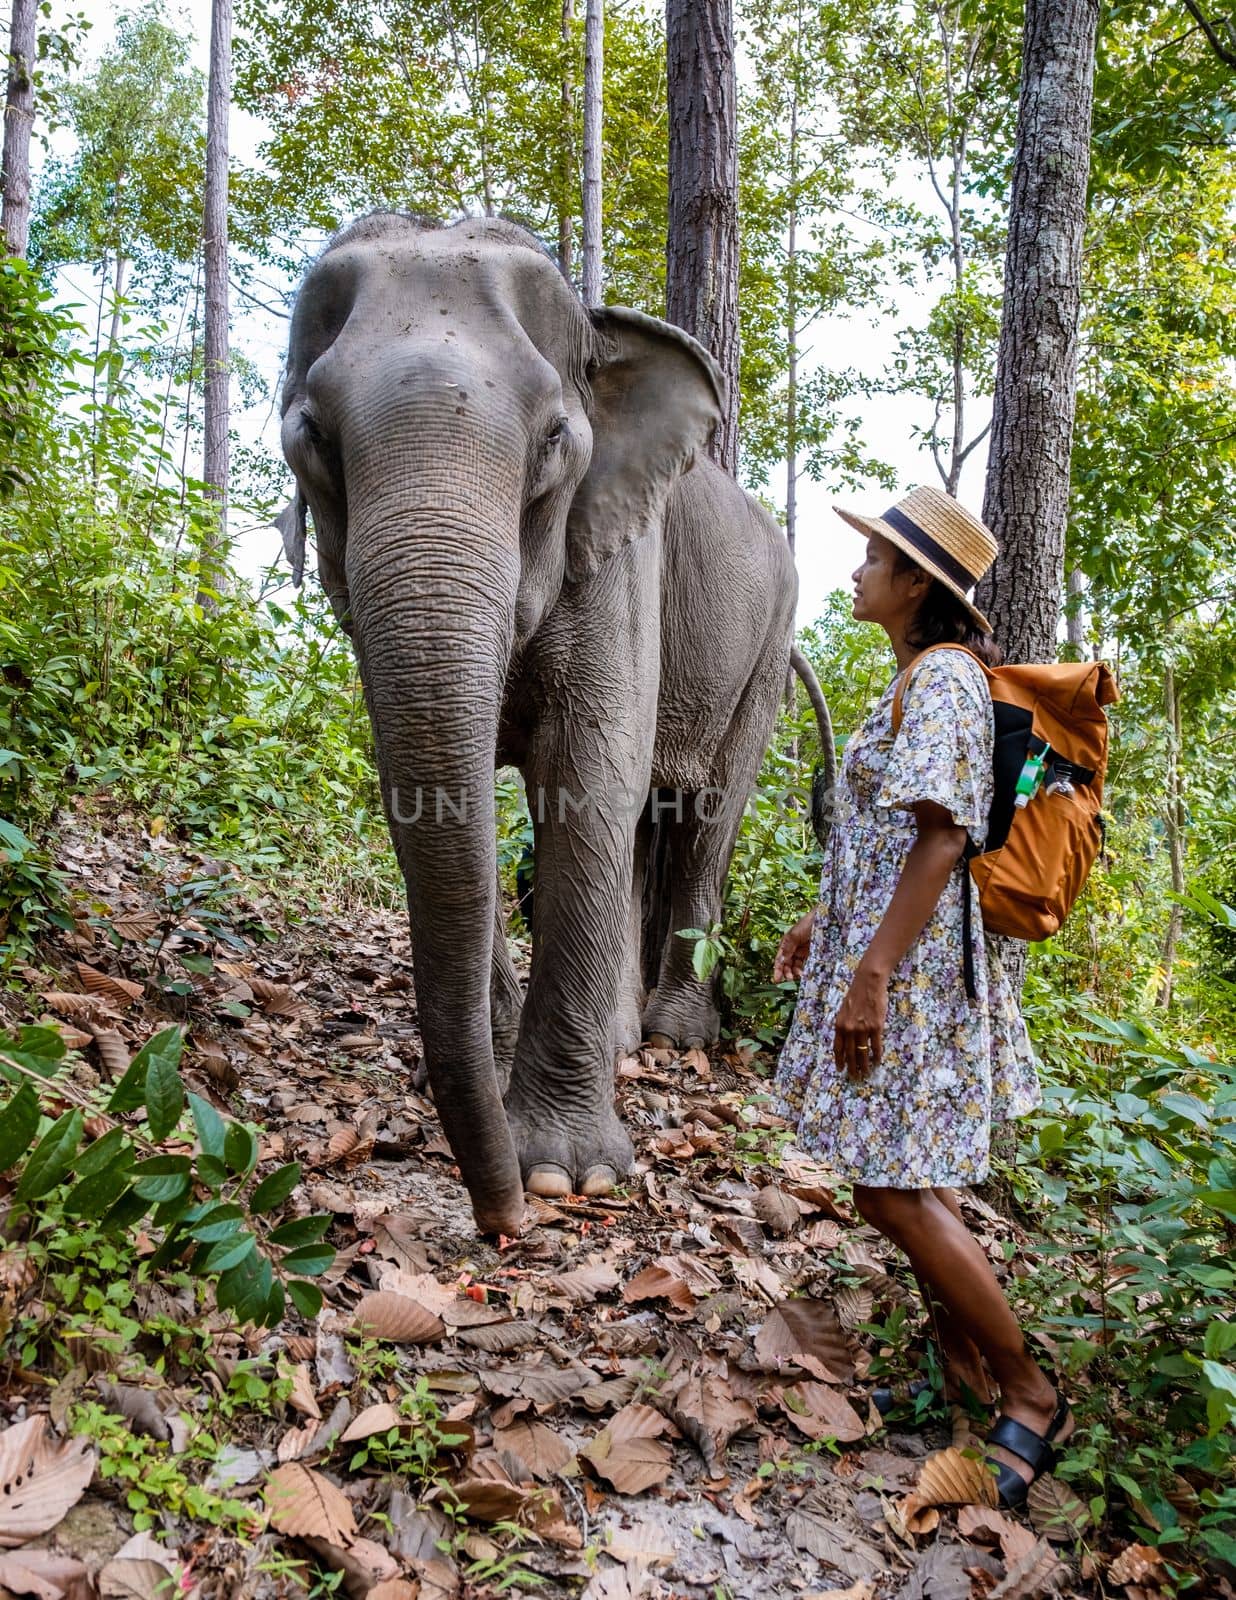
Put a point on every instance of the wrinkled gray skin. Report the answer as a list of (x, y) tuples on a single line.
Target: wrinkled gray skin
[(503, 523)]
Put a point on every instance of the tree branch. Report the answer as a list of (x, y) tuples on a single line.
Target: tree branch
[(1225, 54)]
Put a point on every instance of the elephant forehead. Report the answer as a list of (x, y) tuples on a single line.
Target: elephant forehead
[(469, 288)]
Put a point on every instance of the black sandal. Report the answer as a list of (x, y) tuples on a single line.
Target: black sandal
[(1034, 1449), (887, 1398)]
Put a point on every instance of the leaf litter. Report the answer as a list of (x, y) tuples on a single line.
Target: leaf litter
[(657, 1393)]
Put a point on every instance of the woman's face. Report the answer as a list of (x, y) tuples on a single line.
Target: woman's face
[(885, 591)]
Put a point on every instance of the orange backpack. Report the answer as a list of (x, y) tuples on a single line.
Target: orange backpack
[(1049, 724)]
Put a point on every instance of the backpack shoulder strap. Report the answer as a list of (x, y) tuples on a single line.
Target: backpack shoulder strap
[(904, 682)]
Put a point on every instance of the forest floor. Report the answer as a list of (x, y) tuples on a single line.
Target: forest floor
[(662, 1393)]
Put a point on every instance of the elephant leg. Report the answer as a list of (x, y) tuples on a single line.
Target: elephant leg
[(631, 992), (506, 997), (702, 829), (586, 773)]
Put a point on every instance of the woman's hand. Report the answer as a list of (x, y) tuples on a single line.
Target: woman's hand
[(858, 1032), (792, 951)]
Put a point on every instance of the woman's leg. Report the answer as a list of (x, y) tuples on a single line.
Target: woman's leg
[(947, 1258), (961, 1358)]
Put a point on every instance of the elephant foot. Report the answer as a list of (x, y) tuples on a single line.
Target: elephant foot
[(690, 1022), (586, 1156)]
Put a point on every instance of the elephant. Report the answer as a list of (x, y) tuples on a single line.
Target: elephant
[(538, 566)]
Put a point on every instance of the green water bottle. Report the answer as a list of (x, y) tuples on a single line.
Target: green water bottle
[(1031, 777)]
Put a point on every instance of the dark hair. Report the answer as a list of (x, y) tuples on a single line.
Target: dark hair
[(943, 619)]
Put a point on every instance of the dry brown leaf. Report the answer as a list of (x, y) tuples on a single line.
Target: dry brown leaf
[(806, 1332), (113, 1051), (582, 1285), (709, 1413), (496, 1499), (499, 1338), (1031, 1575), (857, 1591), (854, 1306), (136, 925), (1056, 1511), (296, 1442), (822, 1413), (74, 1038), (610, 1393), (545, 1387), (1138, 1563), (140, 1570), (628, 1453), (82, 1007), (916, 1518), (41, 1478), (386, 1315), (776, 1210), (656, 1283), (45, 1574), (395, 1589), (302, 1397), (823, 1235), (989, 1526), (122, 992), (278, 999), (621, 1583), (397, 1238), (304, 1504), (300, 1346), (541, 1450), (813, 1526), (949, 1478), (373, 1419)]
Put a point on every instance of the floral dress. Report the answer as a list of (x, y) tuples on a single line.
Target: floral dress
[(951, 1066)]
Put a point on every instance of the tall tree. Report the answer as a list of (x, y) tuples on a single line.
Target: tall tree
[(215, 255), (566, 147), (701, 279), (18, 125), (1026, 500), (594, 108)]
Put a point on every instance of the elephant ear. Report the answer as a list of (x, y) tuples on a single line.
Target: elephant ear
[(291, 525), (657, 395)]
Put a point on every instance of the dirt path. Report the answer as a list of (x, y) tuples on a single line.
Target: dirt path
[(662, 1394)]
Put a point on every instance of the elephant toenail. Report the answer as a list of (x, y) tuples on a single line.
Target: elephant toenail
[(598, 1180), (549, 1180), (662, 1041)]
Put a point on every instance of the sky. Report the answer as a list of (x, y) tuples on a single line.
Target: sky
[(828, 549)]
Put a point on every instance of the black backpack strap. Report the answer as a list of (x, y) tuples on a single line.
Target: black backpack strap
[(967, 921)]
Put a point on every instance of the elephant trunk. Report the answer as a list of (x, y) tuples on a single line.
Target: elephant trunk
[(433, 603)]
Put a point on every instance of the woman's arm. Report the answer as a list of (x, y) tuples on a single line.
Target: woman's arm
[(858, 1038)]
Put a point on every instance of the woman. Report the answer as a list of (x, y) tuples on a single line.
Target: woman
[(890, 1073)]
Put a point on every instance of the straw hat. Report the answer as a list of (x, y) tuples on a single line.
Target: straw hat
[(939, 535)]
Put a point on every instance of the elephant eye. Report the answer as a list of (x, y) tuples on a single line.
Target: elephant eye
[(557, 431)]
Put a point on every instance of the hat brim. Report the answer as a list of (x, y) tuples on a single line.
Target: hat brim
[(885, 530)]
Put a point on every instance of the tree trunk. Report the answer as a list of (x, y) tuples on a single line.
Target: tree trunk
[(1175, 819), (594, 92), (113, 337), (566, 185), (1026, 500), (701, 287), (1075, 615), (214, 242), (18, 123)]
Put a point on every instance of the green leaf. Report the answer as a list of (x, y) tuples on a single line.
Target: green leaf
[(274, 1190), (93, 1195), (227, 1253), (41, 1050), (162, 1177), (216, 1222), (211, 1172), (246, 1287), (51, 1158), (211, 1128), (240, 1149), (103, 1152), (130, 1092), (311, 1259), (275, 1306), (301, 1230), (306, 1297), (124, 1213), (164, 1094), (19, 1122)]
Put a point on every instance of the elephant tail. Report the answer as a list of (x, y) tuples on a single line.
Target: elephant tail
[(824, 778)]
